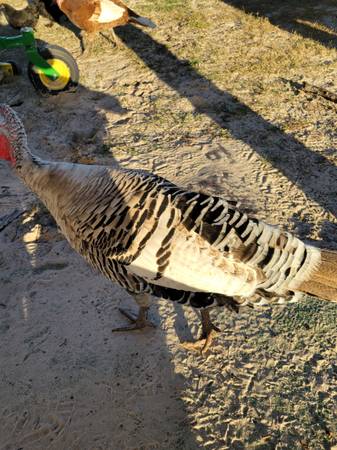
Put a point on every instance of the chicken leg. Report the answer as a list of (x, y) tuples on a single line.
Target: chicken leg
[(88, 42), (112, 37)]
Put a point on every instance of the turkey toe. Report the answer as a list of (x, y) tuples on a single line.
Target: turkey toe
[(137, 321)]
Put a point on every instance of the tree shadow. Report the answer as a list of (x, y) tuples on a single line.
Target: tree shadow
[(181, 325), (300, 164), (328, 233), (296, 17), (61, 367), (304, 228)]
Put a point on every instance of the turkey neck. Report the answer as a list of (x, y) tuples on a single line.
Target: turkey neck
[(69, 191)]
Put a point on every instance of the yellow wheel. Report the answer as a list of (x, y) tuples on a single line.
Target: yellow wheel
[(63, 63), (60, 83)]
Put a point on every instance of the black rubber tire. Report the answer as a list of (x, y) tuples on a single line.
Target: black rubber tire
[(15, 68), (57, 53)]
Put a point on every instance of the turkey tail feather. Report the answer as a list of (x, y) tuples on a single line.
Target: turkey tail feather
[(323, 281)]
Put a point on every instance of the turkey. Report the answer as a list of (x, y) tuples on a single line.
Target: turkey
[(98, 15), (154, 238)]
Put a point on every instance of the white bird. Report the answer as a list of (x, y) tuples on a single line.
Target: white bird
[(154, 238)]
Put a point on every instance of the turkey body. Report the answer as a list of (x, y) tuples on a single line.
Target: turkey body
[(153, 237)]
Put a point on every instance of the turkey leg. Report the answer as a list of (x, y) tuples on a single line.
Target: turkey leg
[(137, 321), (209, 331)]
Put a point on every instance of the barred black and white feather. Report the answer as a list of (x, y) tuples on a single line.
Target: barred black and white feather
[(151, 236)]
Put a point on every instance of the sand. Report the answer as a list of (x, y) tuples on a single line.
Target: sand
[(213, 100)]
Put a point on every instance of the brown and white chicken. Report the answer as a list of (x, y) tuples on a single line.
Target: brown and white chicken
[(156, 239), (93, 16)]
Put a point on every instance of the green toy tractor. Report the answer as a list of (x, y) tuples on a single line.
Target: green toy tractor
[(51, 69)]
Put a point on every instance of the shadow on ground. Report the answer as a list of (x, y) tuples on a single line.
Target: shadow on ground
[(304, 18), (68, 382), (229, 113)]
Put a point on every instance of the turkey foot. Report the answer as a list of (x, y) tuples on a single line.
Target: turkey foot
[(137, 322), (209, 331)]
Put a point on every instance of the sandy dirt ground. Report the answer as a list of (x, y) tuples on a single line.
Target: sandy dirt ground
[(212, 99)]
